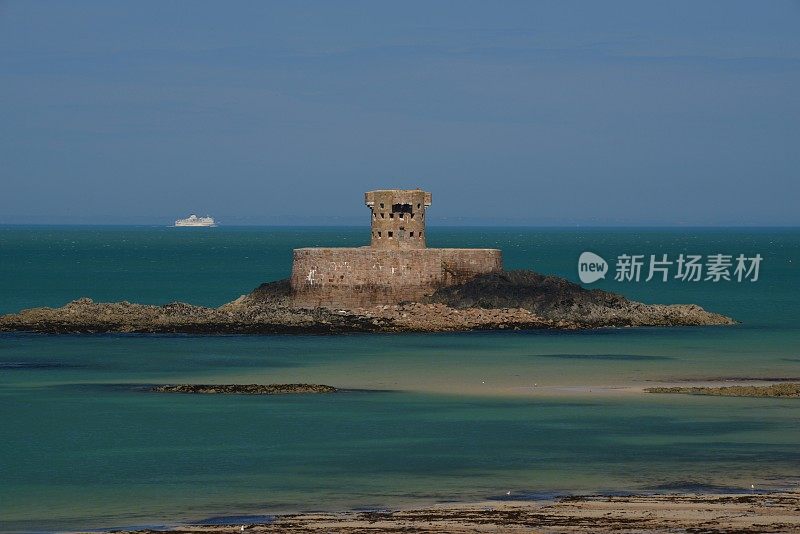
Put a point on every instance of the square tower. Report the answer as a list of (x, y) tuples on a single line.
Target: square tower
[(398, 217)]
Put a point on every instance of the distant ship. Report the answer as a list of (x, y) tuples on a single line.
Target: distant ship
[(194, 220)]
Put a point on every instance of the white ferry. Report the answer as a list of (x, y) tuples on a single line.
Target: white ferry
[(194, 220)]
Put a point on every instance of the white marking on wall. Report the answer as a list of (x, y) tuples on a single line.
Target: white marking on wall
[(339, 266), (311, 276)]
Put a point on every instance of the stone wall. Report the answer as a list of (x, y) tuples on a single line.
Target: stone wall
[(363, 277)]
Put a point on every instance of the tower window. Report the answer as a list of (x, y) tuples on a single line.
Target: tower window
[(411, 234), (401, 215), (412, 215), (390, 234), (381, 205), (382, 216), (417, 206), (391, 215), (379, 234)]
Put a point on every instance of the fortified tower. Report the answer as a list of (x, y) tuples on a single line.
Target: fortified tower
[(398, 217), (395, 268)]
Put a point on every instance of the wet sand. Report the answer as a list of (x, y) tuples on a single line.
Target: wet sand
[(707, 513)]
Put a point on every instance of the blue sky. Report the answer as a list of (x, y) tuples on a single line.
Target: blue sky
[(535, 113)]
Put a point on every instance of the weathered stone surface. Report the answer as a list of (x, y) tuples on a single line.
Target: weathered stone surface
[(360, 277), (244, 389)]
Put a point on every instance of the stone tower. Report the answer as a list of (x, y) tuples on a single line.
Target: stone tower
[(396, 268), (398, 217)]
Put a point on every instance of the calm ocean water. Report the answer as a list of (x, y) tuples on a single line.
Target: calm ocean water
[(82, 447)]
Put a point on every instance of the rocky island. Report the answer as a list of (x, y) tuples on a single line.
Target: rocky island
[(396, 284), (495, 301)]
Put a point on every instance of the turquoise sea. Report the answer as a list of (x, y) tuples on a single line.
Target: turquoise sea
[(424, 418)]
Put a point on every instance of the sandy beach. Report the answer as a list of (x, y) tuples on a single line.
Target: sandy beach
[(706, 513)]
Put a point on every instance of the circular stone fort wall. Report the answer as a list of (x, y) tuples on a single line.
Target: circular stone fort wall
[(367, 276)]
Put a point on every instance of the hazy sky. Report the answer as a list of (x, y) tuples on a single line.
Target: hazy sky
[(509, 112)]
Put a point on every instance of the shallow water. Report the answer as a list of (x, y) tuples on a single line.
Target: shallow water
[(455, 416)]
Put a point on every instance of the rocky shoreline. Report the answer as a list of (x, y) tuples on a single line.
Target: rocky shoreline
[(515, 300)]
